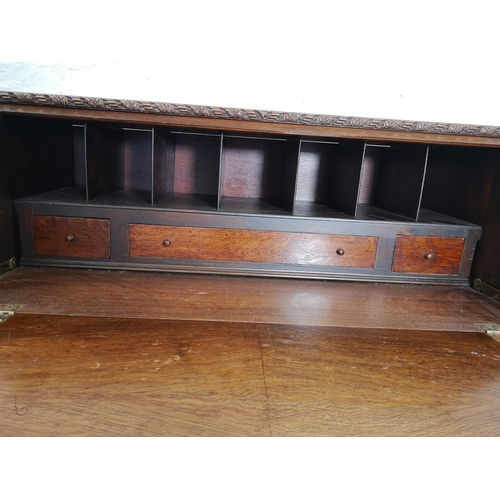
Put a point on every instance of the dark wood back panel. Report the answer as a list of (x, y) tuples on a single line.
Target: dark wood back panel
[(105, 172), (459, 181), (36, 155), (345, 176), (252, 167), (486, 264), (138, 160), (9, 244), (119, 158), (163, 163), (315, 163), (41, 155), (197, 159)]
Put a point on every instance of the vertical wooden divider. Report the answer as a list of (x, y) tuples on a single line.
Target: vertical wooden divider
[(80, 160), (289, 173), (221, 171)]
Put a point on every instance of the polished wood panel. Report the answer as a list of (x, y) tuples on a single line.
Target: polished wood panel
[(72, 237), (86, 376), (428, 255), (74, 376), (349, 382), (248, 300), (238, 245)]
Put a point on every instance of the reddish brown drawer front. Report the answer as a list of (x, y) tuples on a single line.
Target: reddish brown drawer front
[(427, 255), (72, 237), (238, 245)]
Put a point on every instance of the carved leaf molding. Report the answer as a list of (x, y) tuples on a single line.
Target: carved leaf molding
[(196, 111)]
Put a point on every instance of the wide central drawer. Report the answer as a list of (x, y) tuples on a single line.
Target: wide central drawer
[(241, 245)]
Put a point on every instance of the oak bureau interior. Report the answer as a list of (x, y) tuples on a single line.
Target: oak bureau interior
[(109, 184)]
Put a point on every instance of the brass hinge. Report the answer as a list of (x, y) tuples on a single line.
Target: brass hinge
[(492, 330), (487, 289), (8, 265), (7, 310)]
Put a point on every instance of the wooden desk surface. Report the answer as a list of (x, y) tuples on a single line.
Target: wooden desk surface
[(105, 353)]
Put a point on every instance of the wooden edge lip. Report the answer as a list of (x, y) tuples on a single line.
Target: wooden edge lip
[(247, 115)]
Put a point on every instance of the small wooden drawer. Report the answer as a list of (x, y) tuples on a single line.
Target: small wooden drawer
[(237, 245), (427, 255), (72, 237)]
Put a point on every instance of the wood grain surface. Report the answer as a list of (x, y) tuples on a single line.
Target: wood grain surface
[(199, 243), (247, 300), (87, 376), (350, 382), (427, 255), (72, 237), (73, 376)]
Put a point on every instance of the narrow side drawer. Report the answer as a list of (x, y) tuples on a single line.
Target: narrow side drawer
[(72, 237), (427, 255)]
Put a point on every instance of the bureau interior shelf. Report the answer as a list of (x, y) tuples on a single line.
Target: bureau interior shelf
[(242, 206), (220, 200), (217, 171)]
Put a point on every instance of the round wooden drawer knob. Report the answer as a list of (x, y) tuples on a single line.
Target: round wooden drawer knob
[(70, 238), (428, 256), (166, 243), (340, 251)]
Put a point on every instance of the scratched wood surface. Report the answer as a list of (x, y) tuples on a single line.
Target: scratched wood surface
[(84, 376), (247, 300), (67, 376), (350, 382)]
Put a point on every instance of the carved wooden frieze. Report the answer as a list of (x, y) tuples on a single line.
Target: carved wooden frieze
[(196, 111)]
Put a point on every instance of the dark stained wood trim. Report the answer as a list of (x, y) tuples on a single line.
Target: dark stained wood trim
[(245, 120)]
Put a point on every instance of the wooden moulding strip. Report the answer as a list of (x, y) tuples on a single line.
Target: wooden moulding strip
[(217, 118)]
